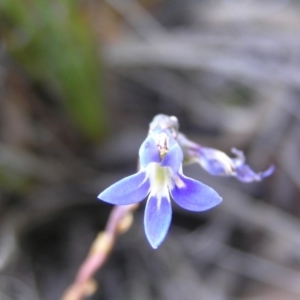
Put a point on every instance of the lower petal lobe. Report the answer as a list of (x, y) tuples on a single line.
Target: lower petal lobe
[(194, 195), (157, 219), (131, 189)]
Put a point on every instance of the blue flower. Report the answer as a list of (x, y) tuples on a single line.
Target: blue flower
[(218, 163), (160, 178)]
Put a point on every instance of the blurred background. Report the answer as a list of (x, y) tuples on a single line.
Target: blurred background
[(79, 83)]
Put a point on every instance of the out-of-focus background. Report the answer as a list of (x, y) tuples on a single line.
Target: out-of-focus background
[(79, 83)]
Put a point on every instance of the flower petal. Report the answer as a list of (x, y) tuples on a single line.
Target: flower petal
[(215, 162), (131, 189), (173, 158), (157, 219), (243, 172), (148, 152), (218, 163), (194, 195), (240, 158), (246, 174)]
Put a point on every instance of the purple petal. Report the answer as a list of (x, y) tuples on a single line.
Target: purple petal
[(215, 162), (173, 158), (148, 152), (131, 189), (214, 167), (194, 195), (240, 158), (246, 174), (157, 220)]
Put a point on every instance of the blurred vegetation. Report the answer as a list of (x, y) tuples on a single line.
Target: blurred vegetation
[(230, 72), (54, 43)]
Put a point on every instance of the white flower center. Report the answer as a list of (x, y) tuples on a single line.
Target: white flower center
[(160, 180)]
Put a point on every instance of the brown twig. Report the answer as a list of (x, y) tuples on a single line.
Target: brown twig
[(119, 221)]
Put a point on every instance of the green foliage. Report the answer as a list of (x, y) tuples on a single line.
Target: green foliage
[(53, 42), (12, 181)]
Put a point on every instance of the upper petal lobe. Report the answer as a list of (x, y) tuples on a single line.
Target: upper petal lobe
[(148, 152), (173, 158)]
